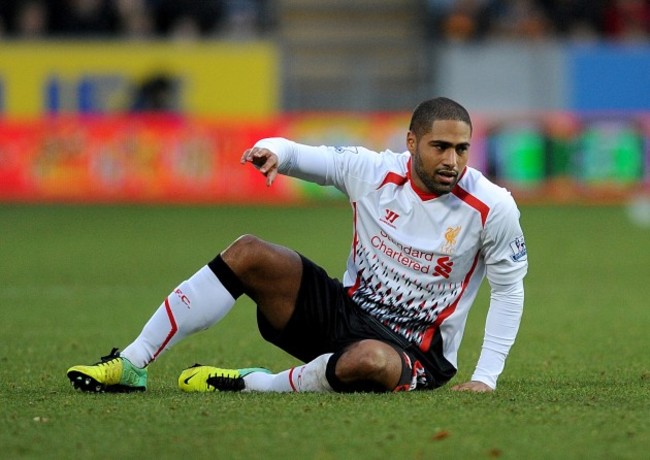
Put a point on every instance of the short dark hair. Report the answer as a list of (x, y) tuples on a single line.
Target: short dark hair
[(439, 108)]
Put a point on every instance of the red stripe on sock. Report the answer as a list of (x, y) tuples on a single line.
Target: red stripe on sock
[(172, 332), (291, 379)]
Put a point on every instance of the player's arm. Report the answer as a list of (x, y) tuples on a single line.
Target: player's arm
[(506, 265), (276, 155), (501, 327), (345, 168)]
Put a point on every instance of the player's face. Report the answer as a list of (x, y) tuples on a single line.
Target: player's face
[(439, 157)]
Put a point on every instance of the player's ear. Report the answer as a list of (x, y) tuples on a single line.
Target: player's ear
[(411, 142)]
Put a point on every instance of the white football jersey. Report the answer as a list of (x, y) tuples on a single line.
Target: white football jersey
[(418, 259)]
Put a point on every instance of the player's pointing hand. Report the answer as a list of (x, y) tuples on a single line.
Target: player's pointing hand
[(264, 160)]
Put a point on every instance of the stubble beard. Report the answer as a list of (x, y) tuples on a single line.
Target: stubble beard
[(428, 180)]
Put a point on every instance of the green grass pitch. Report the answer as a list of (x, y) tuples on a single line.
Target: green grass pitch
[(76, 281)]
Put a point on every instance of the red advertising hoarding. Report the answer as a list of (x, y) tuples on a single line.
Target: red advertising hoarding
[(131, 159)]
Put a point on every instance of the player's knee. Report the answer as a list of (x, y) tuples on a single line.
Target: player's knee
[(365, 360), (245, 242), (243, 252), (368, 365)]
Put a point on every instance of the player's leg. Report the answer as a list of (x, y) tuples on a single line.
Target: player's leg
[(365, 366), (343, 348), (195, 304), (270, 274)]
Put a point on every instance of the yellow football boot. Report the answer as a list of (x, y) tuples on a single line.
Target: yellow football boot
[(199, 378), (113, 374)]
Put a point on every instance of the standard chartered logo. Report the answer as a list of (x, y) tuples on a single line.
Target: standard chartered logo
[(412, 258), (405, 255)]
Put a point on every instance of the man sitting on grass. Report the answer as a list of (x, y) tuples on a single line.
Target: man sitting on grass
[(427, 230)]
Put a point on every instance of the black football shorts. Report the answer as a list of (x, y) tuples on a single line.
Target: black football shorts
[(327, 320)]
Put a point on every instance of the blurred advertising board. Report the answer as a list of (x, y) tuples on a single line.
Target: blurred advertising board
[(96, 77), (570, 157), (147, 158)]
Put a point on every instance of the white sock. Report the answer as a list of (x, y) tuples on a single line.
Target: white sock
[(193, 306), (308, 377)]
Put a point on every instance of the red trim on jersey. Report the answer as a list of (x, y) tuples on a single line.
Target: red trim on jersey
[(355, 236), (423, 194), (352, 289), (474, 202), (173, 330), (291, 379), (393, 178), (355, 242), (444, 314)]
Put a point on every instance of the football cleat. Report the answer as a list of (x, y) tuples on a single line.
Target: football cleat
[(199, 378), (113, 374)]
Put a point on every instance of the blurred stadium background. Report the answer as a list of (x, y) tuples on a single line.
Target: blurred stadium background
[(154, 100)]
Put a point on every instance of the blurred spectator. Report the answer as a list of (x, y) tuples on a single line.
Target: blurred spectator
[(5, 15), (31, 19), (134, 19), (186, 19), (185, 27), (575, 19), (83, 18), (24, 18), (627, 20), (246, 18), (439, 13), (516, 19), (465, 20)]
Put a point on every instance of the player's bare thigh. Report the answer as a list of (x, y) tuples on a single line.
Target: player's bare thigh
[(271, 275)]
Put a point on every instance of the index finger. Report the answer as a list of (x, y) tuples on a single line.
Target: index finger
[(247, 155)]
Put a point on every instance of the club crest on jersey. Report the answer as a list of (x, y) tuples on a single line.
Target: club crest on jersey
[(518, 247), (450, 239), (390, 217)]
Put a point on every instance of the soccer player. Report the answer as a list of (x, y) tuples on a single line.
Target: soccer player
[(427, 230)]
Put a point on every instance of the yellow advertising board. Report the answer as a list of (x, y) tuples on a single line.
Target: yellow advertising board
[(207, 78)]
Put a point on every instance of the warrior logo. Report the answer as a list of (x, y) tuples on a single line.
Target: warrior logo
[(390, 218)]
